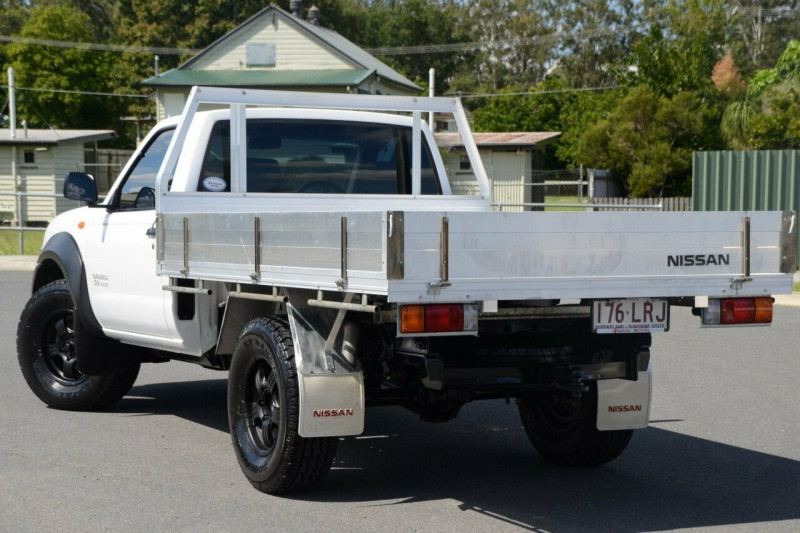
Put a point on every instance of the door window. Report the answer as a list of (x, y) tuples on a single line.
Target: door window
[(138, 190)]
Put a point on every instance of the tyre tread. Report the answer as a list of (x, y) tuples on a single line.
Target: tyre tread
[(306, 461), (107, 389)]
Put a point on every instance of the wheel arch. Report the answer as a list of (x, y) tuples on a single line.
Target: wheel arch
[(97, 354), (61, 258)]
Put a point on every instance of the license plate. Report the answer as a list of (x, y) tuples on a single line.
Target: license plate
[(641, 315)]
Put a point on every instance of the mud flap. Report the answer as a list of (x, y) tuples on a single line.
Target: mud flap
[(331, 405), (624, 404), (331, 387)]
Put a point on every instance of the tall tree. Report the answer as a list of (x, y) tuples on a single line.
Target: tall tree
[(683, 43), (72, 70), (777, 94), (514, 44), (13, 14), (596, 39), (763, 28), (412, 23)]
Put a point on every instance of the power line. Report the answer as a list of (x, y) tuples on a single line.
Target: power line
[(400, 50), (551, 38), (500, 43), (88, 93), (534, 93), (101, 47)]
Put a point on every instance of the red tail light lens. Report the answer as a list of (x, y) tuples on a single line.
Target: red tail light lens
[(730, 311), (439, 318), (738, 311)]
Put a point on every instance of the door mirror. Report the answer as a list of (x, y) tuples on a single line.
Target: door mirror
[(146, 199), (81, 187)]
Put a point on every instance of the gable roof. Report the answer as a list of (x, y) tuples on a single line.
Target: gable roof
[(339, 46)]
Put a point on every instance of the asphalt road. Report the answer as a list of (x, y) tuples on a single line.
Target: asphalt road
[(722, 454)]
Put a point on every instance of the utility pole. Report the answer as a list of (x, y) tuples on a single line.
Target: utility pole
[(12, 103), (431, 80)]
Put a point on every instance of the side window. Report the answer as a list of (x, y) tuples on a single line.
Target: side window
[(138, 190), (215, 175)]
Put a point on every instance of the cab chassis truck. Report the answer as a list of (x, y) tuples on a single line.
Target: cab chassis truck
[(311, 246)]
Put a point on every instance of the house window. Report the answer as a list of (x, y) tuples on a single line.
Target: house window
[(463, 163), (30, 157), (260, 55)]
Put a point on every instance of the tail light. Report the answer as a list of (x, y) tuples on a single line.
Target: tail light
[(437, 318), (731, 311)]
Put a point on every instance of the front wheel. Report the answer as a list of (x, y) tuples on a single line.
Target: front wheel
[(564, 430), (264, 411), (47, 358)]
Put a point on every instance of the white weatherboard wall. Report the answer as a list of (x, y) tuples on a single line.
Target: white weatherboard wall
[(44, 176), (509, 174), (293, 50)]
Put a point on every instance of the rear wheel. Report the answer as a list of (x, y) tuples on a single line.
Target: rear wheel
[(47, 358), (564, 430), (264, 410)]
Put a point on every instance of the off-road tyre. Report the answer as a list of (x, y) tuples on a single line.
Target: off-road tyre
[(564, 430), (46, 353), (264, 412)]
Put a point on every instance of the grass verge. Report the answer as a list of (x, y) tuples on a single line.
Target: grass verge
[(31, 242)]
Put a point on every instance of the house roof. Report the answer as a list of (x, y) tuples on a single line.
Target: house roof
[(259, 78), (340, 46), (500, 139), (40, 137)]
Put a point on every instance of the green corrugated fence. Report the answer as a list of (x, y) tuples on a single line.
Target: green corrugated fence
[(763, 180)]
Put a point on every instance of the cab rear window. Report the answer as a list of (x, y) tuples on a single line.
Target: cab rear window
[(333, 157)]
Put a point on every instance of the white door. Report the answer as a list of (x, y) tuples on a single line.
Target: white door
[(120, 260)]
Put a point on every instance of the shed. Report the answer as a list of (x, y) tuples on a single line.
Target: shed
[(278, 50), (509, 158), (43, 158)]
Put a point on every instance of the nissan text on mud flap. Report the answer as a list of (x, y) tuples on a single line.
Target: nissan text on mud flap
[(310, 245)]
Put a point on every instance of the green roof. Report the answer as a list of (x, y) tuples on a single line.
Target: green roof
[(259, 78)]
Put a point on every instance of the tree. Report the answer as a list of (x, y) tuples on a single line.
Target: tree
[(579, 112), (596, 41), (648, 141), (13, 14), (67, 69), (766, 117), (779, 128), (683, 43), (406, 23), (538, 110), (728, 81), (727, 78), (764, 27), (516, 44)]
